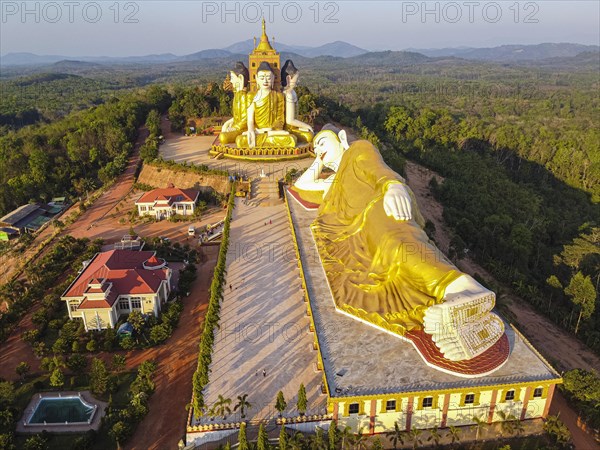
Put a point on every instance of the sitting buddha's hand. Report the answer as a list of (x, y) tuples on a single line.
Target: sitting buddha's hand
[(251, 138), (397, 202)]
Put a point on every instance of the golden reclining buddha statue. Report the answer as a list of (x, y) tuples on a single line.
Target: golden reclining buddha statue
[(265, 118), (381, 266)]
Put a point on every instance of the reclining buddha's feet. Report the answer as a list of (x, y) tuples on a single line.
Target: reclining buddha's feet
[(469, 339), (458, 309)]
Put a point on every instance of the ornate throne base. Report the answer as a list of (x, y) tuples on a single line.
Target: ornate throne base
[(261, 153)]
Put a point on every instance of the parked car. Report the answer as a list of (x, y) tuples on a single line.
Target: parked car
[(191, 230)]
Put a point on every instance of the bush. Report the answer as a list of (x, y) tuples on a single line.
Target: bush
[(160, 333), (127, 343), (91, 346)]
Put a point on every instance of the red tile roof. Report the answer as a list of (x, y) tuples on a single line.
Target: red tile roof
[(170, 194), (124, 269)]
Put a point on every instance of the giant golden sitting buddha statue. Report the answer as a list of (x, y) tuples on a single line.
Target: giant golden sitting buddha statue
[(381, 266), (266, 115)]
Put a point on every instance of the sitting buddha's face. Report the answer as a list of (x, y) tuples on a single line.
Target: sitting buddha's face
[(264, 80)]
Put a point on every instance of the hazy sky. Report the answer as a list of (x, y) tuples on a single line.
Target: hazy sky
[(94, 28)]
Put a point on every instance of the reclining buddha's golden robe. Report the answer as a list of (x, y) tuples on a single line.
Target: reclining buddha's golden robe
[(381, 270)]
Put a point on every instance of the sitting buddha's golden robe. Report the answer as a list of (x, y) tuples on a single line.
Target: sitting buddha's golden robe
[(241, 101), (381, 270), (269, 112)]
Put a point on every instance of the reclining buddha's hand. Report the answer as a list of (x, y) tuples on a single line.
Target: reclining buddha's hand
[(397, 202)]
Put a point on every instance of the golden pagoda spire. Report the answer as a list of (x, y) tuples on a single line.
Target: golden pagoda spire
[(264, 45)]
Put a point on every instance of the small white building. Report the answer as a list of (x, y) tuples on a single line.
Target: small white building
[(164, 203)]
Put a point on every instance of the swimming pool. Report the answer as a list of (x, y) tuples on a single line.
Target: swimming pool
[(62, 410)]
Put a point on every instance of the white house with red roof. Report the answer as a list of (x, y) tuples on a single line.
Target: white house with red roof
[(164, 203), (115, 283)]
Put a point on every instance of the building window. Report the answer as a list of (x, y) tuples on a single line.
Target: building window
[(510, 395), (179, 206), (353, 408), (427, 402), (124, 305), (73, 306), (537, 392), (136, 303), (469, 399), (390, 405), (254, 65)]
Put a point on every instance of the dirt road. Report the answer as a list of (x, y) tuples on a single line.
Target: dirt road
[(177, 359)]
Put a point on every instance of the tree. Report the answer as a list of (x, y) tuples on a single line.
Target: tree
[(57, 379), (435, 436), (263, 439), (242, 438), (76, 363), (35, 442), (414, 435), (454, 434), (582, 293), (222, 406), (396, 435), (22, 369), (242, 404), (120, 432), (479, 427), (377, 445), (359, 440), (136, 319), (346, 436), (317, 441), (99, 377), (557, 430), (283, 438), (302, 400), (332, 435), (280, 403), (7, 393), (508, 421), (118, 363)]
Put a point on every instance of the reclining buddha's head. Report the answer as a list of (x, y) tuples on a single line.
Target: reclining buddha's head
[(330, 144)]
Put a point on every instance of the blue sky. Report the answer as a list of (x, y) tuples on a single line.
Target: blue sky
[(94, 28)]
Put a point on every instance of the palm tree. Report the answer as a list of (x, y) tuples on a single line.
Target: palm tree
[(518, 427), (222, 406), (397, 435), (435, 436), (318, 441), (414, 435), (346, 436), (242, 404), (479, 427), (297, 441), (454, 434), (507, 425), (360, 440)]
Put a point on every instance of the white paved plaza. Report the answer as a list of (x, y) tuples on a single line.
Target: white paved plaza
[(263, 324)]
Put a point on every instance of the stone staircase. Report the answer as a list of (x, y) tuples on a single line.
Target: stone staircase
[(265, 192)]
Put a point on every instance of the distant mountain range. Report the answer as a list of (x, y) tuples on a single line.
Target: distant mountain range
[(340, 49), (512, 53)]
